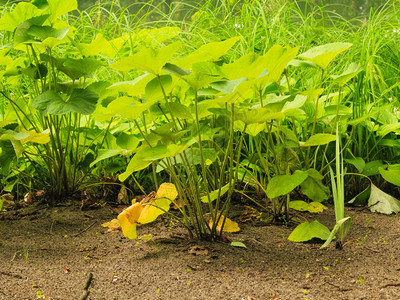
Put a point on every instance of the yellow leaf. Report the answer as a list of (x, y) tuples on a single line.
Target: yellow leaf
[(229, 226), (146, 237), (152, 210), (128, 219), (112, 224), (167, 190), (35, 137)]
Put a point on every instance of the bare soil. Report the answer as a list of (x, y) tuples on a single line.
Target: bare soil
[(49, 253)]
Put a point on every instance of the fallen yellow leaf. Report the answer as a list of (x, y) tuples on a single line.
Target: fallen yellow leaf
[(229, 226), (112, 224), (128, 219), (152, 210)]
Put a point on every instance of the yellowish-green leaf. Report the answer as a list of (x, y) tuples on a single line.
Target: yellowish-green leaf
[(313, 207), (229, 225), (207, 52), (319, 139), (323, 55), (128, 219), (213, 195), (152, 210), (114, 223), (149, 59), (167, 190), (307, 231), (58, 8), (23, 11), (36, 137)]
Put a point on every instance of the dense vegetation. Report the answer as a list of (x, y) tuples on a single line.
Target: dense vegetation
[(259, 99)]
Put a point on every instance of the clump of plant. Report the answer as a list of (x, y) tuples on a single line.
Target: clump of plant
[(49, 94)]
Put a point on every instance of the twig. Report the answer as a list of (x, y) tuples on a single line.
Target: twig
[(390, 284), (83, 230), (338, 287), (15, 254), (86, 291), (373, 250), (11, 275)]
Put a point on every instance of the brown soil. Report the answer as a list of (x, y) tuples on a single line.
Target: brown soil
[(50, 252)]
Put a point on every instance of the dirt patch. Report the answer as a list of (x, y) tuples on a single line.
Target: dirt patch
[(50, 252)]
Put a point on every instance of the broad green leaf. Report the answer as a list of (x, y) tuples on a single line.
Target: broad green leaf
[(76, 68), (313, 187), (302, 63), (388, 128), (208, 52), (203, 74), (227, 86), (372, 113), (58, 8), (127, 141), (287, 159), (127, 107), (251, 129), (391, 174), (313, 207), (180, 111), (18, 148), (291, 107), (258, 115), (134, 87), (323, 55), (381, 202), (335, 229), (194, 158), (247, 66), (152, 210), (319, 139), (361, 198), (81, 101), (352, 70), (372, 168), (307, 231), (22, 12), (7, 156), (283, 184), (174, 69), (93, 48), (149, 59), (213, 195), (156, 35), (357, 162), (106, 153), (154, 91), (238, 244), (276, 60), (136, 164), (153, 153), (112, 47), (44, 32)]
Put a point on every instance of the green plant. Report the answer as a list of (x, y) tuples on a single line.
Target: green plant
[(49, 98), (338, 187)]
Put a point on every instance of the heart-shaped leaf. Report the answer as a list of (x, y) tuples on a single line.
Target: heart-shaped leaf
[(307, 231)]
